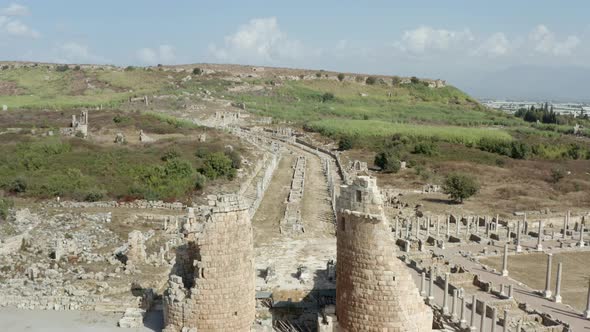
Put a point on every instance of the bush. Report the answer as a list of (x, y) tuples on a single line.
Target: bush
[(519, 150), (328, 96), (341, 77), (77, 68), (200, 181), (61, 68), (236, 159), (388, 162), (414, 80), (426, 148), (129, 68), (170, 154), (121, 119), (217, 165), (460, 186), (94, 195), (318, 75), (371, 80), (17, 186), (197, 71), (345, 143), (5, 204), (557, 174), (395, 80)]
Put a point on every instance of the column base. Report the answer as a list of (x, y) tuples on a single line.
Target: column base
[(518, 249), (539, 247), (557, 299), (587, 314), (504, 273), (547, 294)]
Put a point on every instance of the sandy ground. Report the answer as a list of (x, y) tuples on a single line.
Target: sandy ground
[(17, 320), (530, 269)]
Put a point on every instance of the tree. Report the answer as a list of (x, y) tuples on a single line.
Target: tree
[(395, 80), (197, 71), (341, 77), (460, 186), (371, 80), (345, 143), (216, 165), (415, 80), (388, 162)]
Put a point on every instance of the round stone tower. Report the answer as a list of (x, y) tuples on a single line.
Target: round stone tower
[(212, 287), (374, 289)]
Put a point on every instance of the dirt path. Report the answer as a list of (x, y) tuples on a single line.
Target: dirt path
[(266, 220)]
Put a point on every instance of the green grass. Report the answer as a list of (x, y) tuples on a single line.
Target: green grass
[(300, 101), (41, 87), (367, 129)]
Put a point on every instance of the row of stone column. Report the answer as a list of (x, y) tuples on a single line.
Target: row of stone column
[(427, 224), (547, 292), (458, 299)]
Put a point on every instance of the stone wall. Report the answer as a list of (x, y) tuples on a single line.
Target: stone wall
[(292, 222), (374, 291)]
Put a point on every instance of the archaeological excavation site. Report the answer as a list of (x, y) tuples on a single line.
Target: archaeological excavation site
[(201, 198)]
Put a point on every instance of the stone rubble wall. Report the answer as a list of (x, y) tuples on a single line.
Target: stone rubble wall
[(292, 222), (138, 204)]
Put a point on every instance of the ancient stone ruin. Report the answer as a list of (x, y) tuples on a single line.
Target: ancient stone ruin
[(375, 291), (212, 285), (291, 222), (78, 126)]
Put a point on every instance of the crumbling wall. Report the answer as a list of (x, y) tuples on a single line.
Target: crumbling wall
[(221, 295)]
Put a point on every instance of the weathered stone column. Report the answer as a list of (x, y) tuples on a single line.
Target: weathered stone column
[(417, 229), (473, 312), (564, 225), (505, 261), (463, 321), (505, 325), (518, 231), (539, 245), (494, 318), (431, 286), (497, 223), (397, 228), (459, 225), (557, 297), (427, 227), (423, 284), (587, 311), (437, 226), (581, 236), (482, 323), (445, 305), (510, 291), (454, 305), (547, 292)]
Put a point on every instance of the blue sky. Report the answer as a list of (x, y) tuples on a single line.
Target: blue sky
[(448, 39)]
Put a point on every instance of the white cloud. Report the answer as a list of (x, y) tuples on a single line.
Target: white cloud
[(164, 54), (260, 40), (14, 27), (426, 39), (496, 45), (15, 9), (545, 42), (72, 52)]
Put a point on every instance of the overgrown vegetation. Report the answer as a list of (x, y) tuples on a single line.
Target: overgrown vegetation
[(5, 204)]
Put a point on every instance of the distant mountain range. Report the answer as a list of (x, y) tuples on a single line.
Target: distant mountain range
[(565, 84)]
